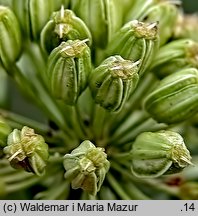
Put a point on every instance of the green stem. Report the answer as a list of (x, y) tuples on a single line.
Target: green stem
[(148, 125), (117, 187), (22, 185), (98, 122), (16, 177), (133, 121), (60, 191), (121, 156), (56, 159), (35, 90), (21, 120), (6, 170), (154, 183), (76, 124)]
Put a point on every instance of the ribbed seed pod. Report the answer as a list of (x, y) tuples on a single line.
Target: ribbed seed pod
[(175, 99), (175, 55), (139, 8), (86, 167), (5, 130), (166, 14), (156, 153), (27, 150), (113, 81), (135, 41), (33, 14), (68, 69), (106, 18), (64, 25), (10, 37)]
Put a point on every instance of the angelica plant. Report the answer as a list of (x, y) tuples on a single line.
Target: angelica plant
[(116, 83)]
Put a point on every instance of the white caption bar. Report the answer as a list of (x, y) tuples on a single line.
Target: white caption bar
[(99, 208)]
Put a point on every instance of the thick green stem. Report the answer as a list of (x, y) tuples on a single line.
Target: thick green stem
[(98, 122), (117, 187)]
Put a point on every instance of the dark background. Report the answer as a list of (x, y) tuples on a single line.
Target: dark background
[(190, 6)]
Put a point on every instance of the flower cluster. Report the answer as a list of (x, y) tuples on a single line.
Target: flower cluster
[(117, 84)]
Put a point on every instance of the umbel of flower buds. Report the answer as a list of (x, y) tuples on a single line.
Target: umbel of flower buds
[(69, 66), (113, 81), (156, 153), (64, 25), (86, 167), (27, 150), (10, 37), (103, 17), (135, 41), (175, 55), (175, 98)]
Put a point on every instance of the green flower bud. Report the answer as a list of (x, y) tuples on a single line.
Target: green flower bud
[(135, 41), (139, 8), (5, 130), (64, 25), (106, 18), (158, 153), (175, 97), (68, 69), (113, 81), (86, 167), (10, 39), (166, 22), (27, 150), (174, 56), (33, 15)]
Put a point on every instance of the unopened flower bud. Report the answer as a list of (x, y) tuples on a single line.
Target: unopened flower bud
[(27, 150), (113, 81), (167, 22), (139, 8), (157, 153), (5, 130), (64, 25), (32, 14), (135, 41), (10, 39), (69, 66), (86, 167), (106, 18), (175, 55), (175, 97)]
